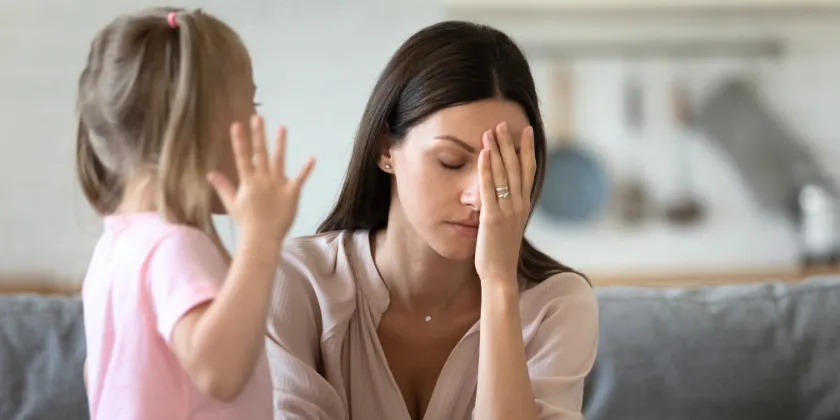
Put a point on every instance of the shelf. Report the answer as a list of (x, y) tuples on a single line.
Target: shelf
[(646, 48), (38, 284), (645, 7), (659, 279), (561, 29), (708, 278)]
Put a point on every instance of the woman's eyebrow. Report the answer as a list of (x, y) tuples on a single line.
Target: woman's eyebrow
[(464, 144), (457, 141)]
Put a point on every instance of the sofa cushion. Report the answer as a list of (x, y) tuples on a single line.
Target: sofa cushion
[(737, 352), (42, 352)]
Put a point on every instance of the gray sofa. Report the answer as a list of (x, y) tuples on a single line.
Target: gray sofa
[(765, 351), (739, 352), (42, 351)]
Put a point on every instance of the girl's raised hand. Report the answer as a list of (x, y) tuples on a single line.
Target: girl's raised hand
[(266, 201)]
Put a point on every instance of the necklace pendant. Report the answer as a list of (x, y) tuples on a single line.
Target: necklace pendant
[(428, 318)]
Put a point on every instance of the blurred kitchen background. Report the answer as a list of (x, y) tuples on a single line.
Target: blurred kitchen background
[(688, 138)]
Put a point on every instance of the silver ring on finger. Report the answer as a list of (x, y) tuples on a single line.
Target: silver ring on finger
[(502, 192)]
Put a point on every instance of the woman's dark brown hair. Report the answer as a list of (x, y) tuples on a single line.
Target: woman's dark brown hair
[(447, 64)]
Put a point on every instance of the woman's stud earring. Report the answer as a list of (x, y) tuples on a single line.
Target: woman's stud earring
[(387, 166)]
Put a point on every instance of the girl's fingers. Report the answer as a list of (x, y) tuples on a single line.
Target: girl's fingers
[(258, 147), (279, 158), (304, 172), (241, 151)]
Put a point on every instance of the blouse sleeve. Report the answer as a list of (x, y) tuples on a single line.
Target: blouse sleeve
[(562, 350), (293, 350)]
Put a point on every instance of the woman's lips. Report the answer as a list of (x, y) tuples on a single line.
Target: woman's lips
[(463, 228)]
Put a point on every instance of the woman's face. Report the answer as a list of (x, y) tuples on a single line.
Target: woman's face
[(435, 172)]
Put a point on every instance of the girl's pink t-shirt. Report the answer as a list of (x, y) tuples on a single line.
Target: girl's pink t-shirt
[(144, 276)]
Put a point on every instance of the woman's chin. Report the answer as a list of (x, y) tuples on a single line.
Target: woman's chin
[(456, 250)]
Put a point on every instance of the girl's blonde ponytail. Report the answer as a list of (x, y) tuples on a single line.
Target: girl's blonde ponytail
[(153, 103), (195, 105), (183, 160)]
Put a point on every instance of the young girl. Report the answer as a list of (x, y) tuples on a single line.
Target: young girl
[(175, 326)]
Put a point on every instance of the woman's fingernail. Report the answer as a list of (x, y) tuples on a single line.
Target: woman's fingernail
[(503, 128), (529, 131)]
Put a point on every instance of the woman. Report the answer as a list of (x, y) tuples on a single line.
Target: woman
[(378, 316)]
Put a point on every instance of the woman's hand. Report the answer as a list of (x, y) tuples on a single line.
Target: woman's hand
[(506, 180), (504, 388)]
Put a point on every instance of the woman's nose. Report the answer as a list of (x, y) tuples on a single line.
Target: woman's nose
[(471, 196)]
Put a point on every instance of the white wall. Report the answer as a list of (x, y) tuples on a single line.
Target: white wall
[(314, 71), (316, 82)]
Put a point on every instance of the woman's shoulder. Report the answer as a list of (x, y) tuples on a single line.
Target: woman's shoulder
[(313, 249), (324, 263), (314, 271), (319, 258), (560, 312), (569, 290), (561, 284)]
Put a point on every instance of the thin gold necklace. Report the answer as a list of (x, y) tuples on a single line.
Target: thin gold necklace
[(428, 317)]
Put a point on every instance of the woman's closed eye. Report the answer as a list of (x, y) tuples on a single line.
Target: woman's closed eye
[(451, 165)]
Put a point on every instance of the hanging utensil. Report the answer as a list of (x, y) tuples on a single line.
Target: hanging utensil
[(771, 158), (634, 198), (576, 183), (687, 209)]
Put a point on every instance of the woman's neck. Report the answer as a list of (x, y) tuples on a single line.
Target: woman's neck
[(418, 276)]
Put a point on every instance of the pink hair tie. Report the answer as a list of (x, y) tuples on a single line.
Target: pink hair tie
[(171, 20)]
